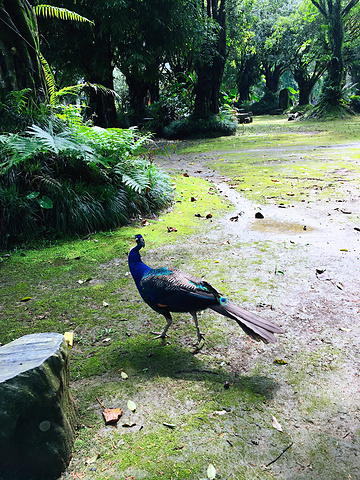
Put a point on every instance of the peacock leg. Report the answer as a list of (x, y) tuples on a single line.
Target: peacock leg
[(199, 334), (168, 323)]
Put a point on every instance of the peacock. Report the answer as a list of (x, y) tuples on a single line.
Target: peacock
[(167, 291)]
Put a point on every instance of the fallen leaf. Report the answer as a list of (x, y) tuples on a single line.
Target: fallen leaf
[(91, 460), (171, 229), (112, 415), (169, 425), (124, 375), (69, 338), (105, 304), (218, 412), (279, 361), (211, 472), (276, 424), (25, 299), (131, 405)]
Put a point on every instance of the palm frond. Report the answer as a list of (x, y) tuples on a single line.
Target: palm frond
[(57, 12)]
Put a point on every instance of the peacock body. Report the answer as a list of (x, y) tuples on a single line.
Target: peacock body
[(167, 291)]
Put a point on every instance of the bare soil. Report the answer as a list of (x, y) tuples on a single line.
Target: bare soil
[(306, 264)]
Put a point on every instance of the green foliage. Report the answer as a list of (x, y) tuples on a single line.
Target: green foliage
[(192, 127), (266, 104), (59, 180), (61, 13), (19, 111)]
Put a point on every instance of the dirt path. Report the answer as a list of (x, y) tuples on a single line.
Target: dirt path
[(302, 262)]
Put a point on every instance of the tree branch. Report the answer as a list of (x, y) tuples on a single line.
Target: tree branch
[(320, 5), (348, 7)]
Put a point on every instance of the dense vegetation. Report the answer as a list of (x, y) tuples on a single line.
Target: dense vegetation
[(170, 67), (59, 176)]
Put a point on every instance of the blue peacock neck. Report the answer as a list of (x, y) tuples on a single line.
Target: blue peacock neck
[(137, 267)]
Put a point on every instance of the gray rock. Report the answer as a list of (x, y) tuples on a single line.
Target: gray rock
[(37, 415)]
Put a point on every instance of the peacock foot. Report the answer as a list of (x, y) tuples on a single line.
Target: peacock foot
[(201, 336), (159, 335)]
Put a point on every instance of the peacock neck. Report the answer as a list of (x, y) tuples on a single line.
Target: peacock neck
[(137, 267)]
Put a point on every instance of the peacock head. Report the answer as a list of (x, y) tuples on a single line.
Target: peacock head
[(140, 241)]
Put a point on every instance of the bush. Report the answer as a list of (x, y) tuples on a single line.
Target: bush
[(63, 181), (268, 103), (222, 124), (355, 103)]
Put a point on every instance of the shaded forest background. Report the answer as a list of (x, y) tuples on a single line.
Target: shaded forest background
[(80, 80)]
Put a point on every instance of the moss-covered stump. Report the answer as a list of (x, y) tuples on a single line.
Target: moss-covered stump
[(37, 414)]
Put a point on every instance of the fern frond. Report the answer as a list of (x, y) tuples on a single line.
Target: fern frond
[(46, 139), (137, 181), (57, 12), (49, 79)]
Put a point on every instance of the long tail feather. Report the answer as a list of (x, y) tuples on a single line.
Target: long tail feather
[(258, 328)]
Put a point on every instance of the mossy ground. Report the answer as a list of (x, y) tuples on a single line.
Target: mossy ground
[(216, 406)]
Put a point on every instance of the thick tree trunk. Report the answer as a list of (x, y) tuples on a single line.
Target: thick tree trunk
[(141, 92), (305, 85), (273, 73), (334, 14), (211, 72), (247, 76), (100, 71), (19, 61), (332, 91)]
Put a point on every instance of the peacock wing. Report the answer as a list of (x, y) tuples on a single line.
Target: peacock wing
[(176, 290)]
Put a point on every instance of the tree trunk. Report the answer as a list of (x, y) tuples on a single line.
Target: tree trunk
[(211, 72), (140, 93), (332, 91), (100, 71), (102, 104), (247, 76), (19, 60), (305, 85), (273, 73), (334, 14)]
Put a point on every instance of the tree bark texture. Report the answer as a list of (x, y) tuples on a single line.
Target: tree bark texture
[(19, 60), (306, 82), (210, 72), (273, 72), (247, 76), (100, 72), (334, 14)]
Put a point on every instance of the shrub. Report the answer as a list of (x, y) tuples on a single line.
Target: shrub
[(57, 181), (214, 126)]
